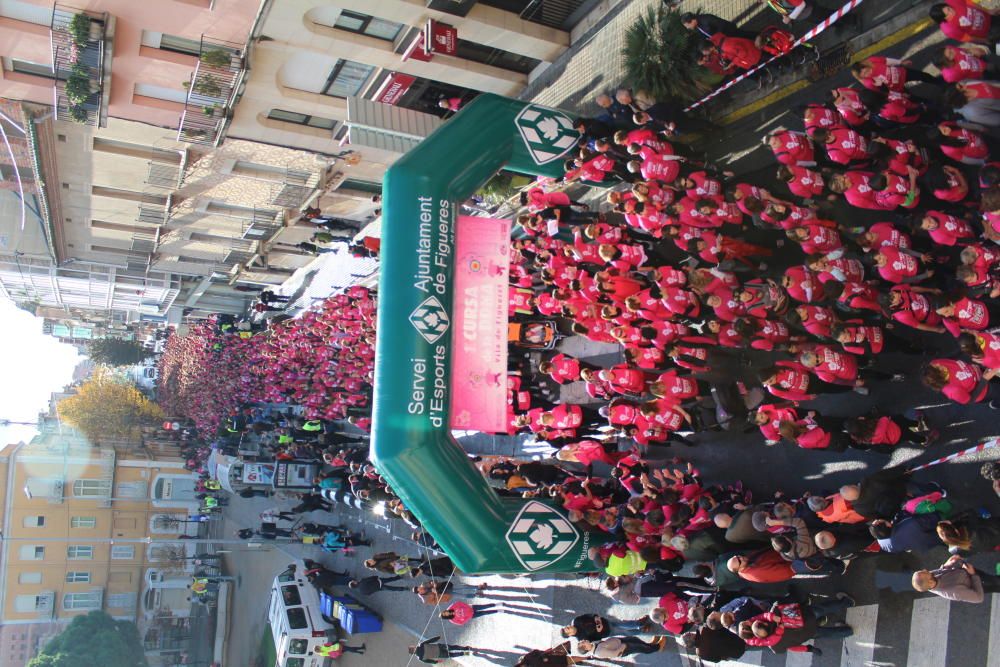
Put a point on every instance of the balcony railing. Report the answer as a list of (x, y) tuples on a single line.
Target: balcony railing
[(78, 60), (295, 188), (210, 91), (551, 13)]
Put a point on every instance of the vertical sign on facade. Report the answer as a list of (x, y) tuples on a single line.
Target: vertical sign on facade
[(440, 38)]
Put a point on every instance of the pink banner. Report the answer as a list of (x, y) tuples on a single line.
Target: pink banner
[(479, 332)]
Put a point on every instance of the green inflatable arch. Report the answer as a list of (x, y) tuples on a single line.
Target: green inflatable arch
[(412, 446)]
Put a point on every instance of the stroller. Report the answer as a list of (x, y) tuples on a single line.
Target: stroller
[(537, 335), (778, 42)]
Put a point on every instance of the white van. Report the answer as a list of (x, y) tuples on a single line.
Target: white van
[(297, 623)]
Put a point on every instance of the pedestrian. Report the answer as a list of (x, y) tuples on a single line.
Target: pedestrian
[(956, 580), (620, 647), (373, 584), (461, 613), (431, 651)]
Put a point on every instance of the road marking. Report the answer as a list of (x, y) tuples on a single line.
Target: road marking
[(801, 84), (928, 630), (796, 659), (752, 658), (859, 648), (993, 652)]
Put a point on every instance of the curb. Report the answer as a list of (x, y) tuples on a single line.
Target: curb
[(888, 34)]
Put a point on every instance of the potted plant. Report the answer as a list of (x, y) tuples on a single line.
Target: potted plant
[(209, 86), (216, 58), (77, 87), (209, 110), (79, 29), (78, 113)]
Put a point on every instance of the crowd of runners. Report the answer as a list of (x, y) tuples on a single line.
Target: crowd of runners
[(866, 254)]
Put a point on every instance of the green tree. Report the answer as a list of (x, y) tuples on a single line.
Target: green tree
[(661, 57), (116, 352), (94, 640), (107, 407)]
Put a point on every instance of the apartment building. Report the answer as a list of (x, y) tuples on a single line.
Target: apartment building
[(87, 527), (366, 76)]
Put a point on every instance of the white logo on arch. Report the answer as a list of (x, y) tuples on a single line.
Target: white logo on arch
[(547, 134)]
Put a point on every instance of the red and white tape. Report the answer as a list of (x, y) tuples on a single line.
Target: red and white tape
[(989, 444), (826, 23)]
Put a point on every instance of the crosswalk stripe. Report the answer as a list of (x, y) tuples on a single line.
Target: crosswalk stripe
[(752, 658), (929, 630), (993, 652), (859, 648), (796, 659)]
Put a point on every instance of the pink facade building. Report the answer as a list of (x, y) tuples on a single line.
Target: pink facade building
[(130, 60)]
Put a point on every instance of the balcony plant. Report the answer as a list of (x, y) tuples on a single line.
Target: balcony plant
[(217, 58), (209, 86), (78, 113), (78, 86), (79, 29)]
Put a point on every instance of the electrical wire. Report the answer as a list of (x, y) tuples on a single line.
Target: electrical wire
[(17, 173)]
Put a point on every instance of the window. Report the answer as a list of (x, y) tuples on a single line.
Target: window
[(83, 522), (488, 55), (44, 487), (159, 40), (302, 119), (178, 95), (33, 69), (79, 552), (122, 600), (347, 78), (138, 490), (29, 578), (19, 10), (91, 488), (298, 646), (72, 601), (368, 25), (122, 552), (77, 577), (32, 603), (290, 594), (363, 186), (34, 521), (31, 552), (297, 618)]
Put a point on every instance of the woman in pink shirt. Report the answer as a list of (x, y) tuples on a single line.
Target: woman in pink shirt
[(461, 613), (962, 21), (960, 381)]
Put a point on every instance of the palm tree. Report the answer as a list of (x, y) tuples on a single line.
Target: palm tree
[(661, 57)]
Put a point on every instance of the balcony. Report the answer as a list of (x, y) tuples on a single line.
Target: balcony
[(295, 187), (211, 90), (78, 60)]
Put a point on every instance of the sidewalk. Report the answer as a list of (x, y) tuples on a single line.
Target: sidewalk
[(593, 63)]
